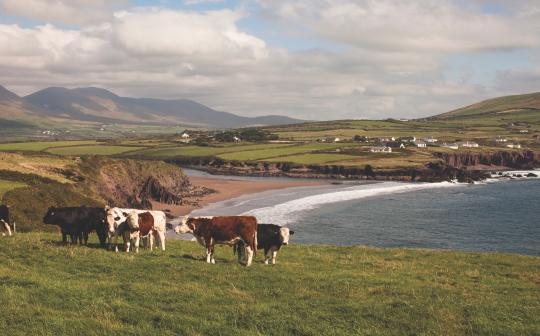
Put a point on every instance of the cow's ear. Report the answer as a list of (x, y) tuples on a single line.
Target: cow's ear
[(291, 232)]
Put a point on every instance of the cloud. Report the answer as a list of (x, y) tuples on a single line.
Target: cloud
[(415, 26), (76, 12), (383, 61)]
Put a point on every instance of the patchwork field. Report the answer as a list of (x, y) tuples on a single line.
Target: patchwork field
[(92, 150), (313, 290)]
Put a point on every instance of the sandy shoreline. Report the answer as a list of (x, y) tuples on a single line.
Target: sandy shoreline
[(230, 188)]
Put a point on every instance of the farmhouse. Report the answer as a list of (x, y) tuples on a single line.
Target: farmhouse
[(420, 144), (523, 131), (237, 139), (513, 145), (431, 139), (329, 139), (500, 139), (386, 139), (381, 149), (450, 145), (470, 144), (185, 138)]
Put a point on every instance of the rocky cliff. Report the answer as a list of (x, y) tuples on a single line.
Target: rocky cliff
[(136, 183), (491, 160)]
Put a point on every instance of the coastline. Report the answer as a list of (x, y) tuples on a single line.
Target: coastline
[(231, 188)]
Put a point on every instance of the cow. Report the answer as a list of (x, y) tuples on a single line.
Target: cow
[(228, 230), (270, 238), (136, 226), (78, 222), (116, 216), (4, 220)]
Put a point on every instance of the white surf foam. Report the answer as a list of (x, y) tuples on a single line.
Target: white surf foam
[(291, 211)]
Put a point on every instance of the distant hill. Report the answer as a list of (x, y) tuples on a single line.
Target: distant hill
[(509, 106), (102, 106)]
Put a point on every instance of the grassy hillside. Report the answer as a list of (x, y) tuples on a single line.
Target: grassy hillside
[(512, 106), (47, 289)]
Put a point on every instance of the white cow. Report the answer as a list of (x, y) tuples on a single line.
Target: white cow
[(116, 216)]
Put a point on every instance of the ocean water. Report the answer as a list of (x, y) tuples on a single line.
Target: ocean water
[(501, 216)]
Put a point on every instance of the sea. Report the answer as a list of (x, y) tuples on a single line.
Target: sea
[(501, 215)]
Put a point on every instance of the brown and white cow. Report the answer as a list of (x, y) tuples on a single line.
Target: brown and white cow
[(136, 226), (116, 216), (227, 230)]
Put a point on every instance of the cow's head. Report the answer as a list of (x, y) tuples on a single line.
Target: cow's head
[(112, 219), (185, 226), (132, 219), (50, 216), (284, 234)]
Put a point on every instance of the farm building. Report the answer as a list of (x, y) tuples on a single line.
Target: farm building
[(513, 145), (381, 149), (431, 139), (470, 144), (420, 144), (450, 145)]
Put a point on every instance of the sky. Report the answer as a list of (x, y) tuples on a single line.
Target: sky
[(308, 59)]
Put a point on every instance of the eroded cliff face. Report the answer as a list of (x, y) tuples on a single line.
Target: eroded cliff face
[(137, 183), (491, 160)]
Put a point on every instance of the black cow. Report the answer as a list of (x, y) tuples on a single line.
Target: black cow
[(4, 219), (270, 238), (78, 222)]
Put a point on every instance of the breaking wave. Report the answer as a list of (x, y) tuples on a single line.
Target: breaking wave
[(290, 211)]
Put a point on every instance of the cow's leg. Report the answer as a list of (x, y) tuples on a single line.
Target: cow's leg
[(161, 236), (6, 226), (85, 238), (249, 255), (127, 240), (274, 255), (137, 241), (64, 238), (151, 240), (266, 256)]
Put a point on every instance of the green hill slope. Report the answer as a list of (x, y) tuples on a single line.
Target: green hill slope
[(510, 106), (47, 289)]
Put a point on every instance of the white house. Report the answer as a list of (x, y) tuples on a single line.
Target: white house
[(381, 149), (513, 145), (470, 144), (185, 138), (237, 139), (500, 139), (523, 131), (386, 139), (450, 145), (420, 144), (431, 139)]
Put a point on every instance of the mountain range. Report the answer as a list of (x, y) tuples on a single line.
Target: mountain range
[(96, 105)]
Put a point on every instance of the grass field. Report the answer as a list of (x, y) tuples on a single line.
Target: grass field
[(42, 145), (92, 150), (47, 289), (6, 186)]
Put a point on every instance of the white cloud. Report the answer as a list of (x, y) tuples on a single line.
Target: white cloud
[(63, 11), (419, 26), (388, 63)]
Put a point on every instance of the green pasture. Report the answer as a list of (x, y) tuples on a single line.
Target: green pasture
[(313, 158), (281, 151), (42, 145), (191, 150), (93, 150), (50, 289)]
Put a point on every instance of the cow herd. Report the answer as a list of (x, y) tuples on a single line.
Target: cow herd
[(243, 233)]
